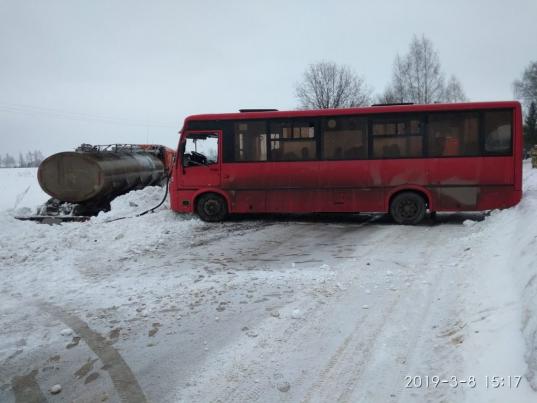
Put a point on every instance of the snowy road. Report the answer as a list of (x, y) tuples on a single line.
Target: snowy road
[(165, 308)]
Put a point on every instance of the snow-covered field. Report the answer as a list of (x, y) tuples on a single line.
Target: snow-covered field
[(166, 308), (19, 189)]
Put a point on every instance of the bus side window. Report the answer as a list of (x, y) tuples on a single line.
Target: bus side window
[(453, 134), (344, 138), (397, 136), (498, 137), (292, 141), (251, 140)]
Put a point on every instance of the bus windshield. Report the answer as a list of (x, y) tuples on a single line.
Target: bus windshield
[(201, 149)]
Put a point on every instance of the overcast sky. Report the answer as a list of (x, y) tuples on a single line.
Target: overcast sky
[(74, 71)]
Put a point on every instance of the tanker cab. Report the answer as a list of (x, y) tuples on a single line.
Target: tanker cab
[(200, 160)]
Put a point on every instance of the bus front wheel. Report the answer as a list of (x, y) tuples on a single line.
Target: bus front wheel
[(408, 208), (211, 207)]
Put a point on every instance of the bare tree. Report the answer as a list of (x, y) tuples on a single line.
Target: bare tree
[(328, 85), (417, 77), (453, 91), (29, 158), (400, 80), (526, 87), (38, 158), (388, 97), (9, 161), (530, 127)]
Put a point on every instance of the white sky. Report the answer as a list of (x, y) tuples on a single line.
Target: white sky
[(74, 71)]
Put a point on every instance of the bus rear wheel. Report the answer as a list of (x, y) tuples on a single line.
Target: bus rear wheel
[(211, 207), (408, 208)]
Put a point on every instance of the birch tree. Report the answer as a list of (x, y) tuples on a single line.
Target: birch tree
[(526, 87), (418, 77)]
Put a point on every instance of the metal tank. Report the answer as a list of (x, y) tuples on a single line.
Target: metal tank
[(94, 175)]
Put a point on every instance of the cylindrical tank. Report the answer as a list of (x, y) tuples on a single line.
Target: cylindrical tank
[(77, 177)]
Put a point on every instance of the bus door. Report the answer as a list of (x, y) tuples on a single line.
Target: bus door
[(200, 159)]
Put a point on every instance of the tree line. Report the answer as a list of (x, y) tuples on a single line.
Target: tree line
[(417, 77), (526, 90), (30, 159)]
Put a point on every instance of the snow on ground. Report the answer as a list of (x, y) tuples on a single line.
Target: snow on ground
[(132, 204), (19, 189), (502, 296), (166, 308)]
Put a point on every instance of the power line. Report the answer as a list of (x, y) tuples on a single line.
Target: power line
[(77, 116)]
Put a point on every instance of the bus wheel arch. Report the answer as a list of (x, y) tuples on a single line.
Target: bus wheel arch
[(408, 206), (211, 206)]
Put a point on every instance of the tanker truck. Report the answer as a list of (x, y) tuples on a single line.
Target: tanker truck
[(83, 182)]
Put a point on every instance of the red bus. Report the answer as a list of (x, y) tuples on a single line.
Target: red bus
[(399, 159)]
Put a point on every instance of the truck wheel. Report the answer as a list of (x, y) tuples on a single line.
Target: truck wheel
[(211, 207), (407, 208)]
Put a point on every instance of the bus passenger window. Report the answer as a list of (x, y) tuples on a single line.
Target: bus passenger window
[(397, 137), (498, 137), (251, 141), (453, 134), (397, 147), (344, 138), (292, 141)]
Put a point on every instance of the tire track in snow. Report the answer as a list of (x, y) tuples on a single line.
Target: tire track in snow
[(26, 389), (121, 375), (295, 332), (282, 241), (350, 365), (347, 363), (352, 346), (402, 341)]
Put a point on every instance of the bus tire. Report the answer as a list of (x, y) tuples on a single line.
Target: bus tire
[(408, 208), (211, 207)]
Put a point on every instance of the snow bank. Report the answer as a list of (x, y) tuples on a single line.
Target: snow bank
[(31, 243), (21, 195), (133, 203), (503, 271), (516, 230)]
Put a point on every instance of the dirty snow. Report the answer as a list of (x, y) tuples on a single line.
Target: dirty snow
[(167, 308)]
